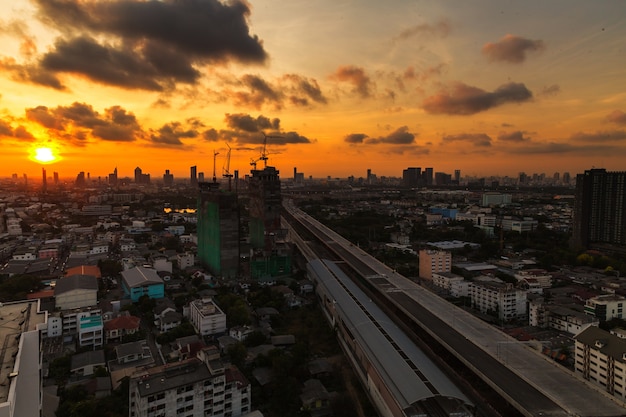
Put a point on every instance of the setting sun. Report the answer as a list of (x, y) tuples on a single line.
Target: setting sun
[(44, 155)]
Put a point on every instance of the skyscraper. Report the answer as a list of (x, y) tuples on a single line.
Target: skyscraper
[(428, 176), (600, 210), (113, 177), (193, 176), (412, 176), (168, 179), (44, 184)]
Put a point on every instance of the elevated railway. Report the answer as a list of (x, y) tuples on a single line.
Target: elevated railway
[(503, 376)]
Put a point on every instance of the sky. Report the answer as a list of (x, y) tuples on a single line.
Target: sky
[(332, 87)]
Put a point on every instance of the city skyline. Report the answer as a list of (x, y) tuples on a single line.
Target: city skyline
[(335, 88)]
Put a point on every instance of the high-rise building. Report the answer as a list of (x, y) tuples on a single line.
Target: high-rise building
[(218, 229), (168, 179), (193, 176), (428, 176), (457, 176), (271, 254), (140, 177), (600, 209), (113, 177), (44, 180), (56, 178), (412, 176), (80, 179)]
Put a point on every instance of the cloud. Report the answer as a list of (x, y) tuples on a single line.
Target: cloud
[(151, 45), (247, 123), (465, 100), (69, 122), (551, 148), (302, 90), (606, 136), (171, 134), (355, 76), (617, 117), (440, 29), (22, 133), (30, 74), (355, 138), (5, 129), (513, 137), (400, 136), (476, 139), (550, 90), (511, 49)]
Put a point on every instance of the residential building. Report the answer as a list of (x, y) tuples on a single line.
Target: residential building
[(120, 326), (445, 280), (431, 261), (140, 281), (492, 198), (132, 352), (606, 307), (207, 317), (600, 209), (196, 387), (519, 225), (76, 291), (543, 278), (185, 260), (490, 295), (85, 363), (91, 331), (601, 359)]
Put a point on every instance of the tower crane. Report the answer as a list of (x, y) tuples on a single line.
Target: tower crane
[(226, 168), (264, 152), (214, 156)]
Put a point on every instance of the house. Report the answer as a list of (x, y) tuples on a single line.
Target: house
[(165, 315), (140, 281), (240, 333), (84, 270), (86, 363), (76, 291), (133, 352), (315, 398), (120, 326)]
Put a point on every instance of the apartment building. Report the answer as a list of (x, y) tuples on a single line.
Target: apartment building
[(492, 295), (196, 387), (601, 359), (431, 261), (606, 307), (207, 317)]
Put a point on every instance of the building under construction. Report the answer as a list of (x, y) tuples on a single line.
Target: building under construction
[(218, 229), (270, 253)]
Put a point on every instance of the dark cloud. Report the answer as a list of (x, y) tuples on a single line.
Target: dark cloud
[(303, 89), (30, 74), (550, 90), (258, 93), (476, 139), (289, 138), (171, 134), (355, 76), (22, 133), (400, 136), (210, 135), (617, 117), (559, 148), (439, 29), (612, 136), (78, 119), (152, 44), (355, 138), (247, 123), (5, 129), (465, 100), (515, 137), (511, 48)]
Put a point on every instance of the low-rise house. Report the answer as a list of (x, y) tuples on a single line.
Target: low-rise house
[(315, 398), (121, 326), (76, 291), (133, 352), (240, 333), (91, 331), (86, 363)]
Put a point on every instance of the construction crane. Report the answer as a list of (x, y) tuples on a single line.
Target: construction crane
[(226, 168), (264, 152), (214, 156)]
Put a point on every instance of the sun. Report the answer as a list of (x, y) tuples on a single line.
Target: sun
[(44, 155)]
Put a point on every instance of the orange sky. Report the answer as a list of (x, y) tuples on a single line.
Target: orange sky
[(342, 86)]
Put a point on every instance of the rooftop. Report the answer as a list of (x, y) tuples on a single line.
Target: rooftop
[(140, 276)]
